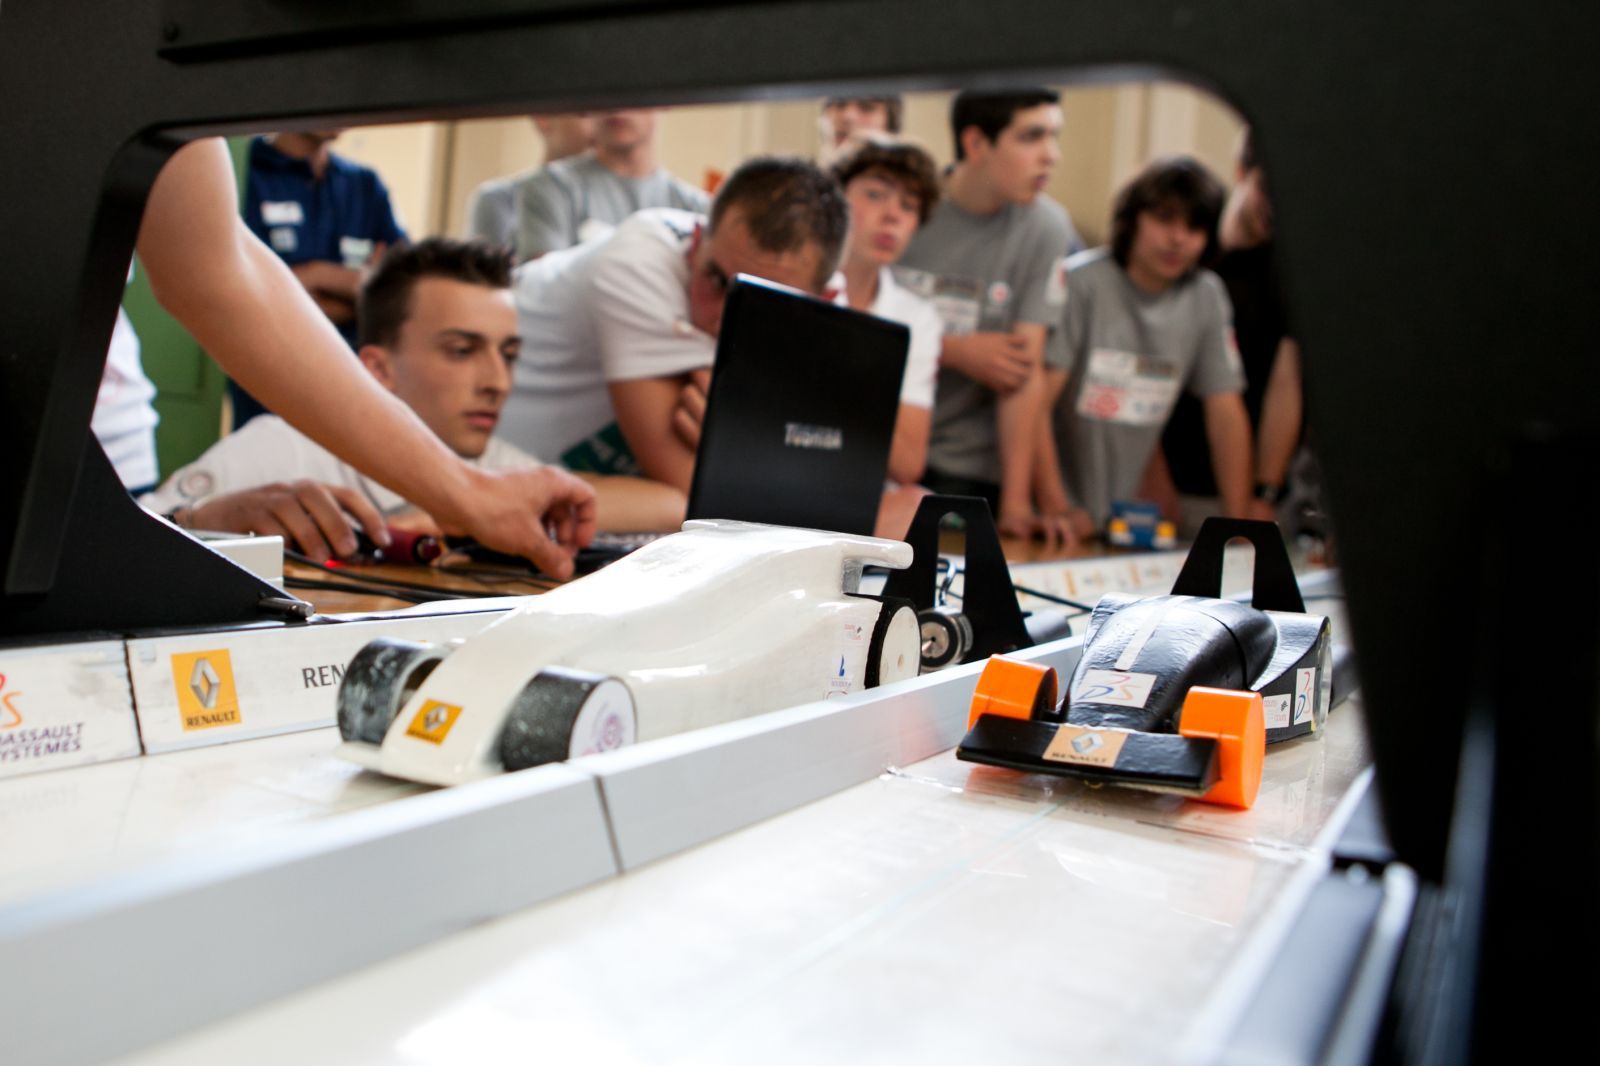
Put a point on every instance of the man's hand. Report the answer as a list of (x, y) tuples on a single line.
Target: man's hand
[(1016, 522), (313, 517), (1002, 361), (544, 514), (1058, 530), (690, 413), (1066, 529)]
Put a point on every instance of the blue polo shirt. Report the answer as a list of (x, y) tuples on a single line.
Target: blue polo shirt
[(339, 219)]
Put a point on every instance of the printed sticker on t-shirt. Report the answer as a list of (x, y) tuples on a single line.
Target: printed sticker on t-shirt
[(283, 239), (355, 251), (1128, 388), (282, 212), (1055, 293), (965, 305)]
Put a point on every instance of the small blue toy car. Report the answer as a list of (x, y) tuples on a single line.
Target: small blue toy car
[(1138, 524)]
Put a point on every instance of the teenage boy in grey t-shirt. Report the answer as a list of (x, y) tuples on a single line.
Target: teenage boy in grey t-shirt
[(1143, 322), (492, 211), (989, 259), (587, 195)]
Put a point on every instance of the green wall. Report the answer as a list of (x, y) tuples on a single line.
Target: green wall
[(189, 386)]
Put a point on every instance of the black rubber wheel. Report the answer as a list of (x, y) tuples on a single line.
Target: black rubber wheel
[(564, 713), (377, 683), (946, 637), (887, 657)]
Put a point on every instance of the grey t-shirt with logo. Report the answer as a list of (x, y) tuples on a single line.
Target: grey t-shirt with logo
[(1131, 354), (575, 200), (985, 273)]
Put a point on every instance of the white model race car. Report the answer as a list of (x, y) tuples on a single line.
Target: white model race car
[(721, 621)]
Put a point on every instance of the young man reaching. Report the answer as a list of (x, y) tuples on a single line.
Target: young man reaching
[(1143, 322), (438, 330), (249, 312), (615, 331), (612, 329), (989, 259)]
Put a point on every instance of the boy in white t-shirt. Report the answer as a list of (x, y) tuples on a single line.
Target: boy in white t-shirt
[(439, 330), (891, 188)]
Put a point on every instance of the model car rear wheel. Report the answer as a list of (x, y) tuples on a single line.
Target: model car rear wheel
[(893, 654), (562, 714), (377, 683)]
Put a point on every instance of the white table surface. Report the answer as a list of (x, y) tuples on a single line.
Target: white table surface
[(943, 912)]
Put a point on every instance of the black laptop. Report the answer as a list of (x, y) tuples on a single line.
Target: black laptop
[(800, 413)]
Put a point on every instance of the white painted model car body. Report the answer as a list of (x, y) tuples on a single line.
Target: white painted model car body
[(721, 621)]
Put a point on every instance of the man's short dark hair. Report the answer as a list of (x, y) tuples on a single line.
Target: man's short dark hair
[(788, 202), (1172, 181), (385, 300), (901, 162), (992, 110), (894, 107)]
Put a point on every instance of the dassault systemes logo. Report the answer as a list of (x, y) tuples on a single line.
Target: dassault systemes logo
[(822, 438), (10, 717)]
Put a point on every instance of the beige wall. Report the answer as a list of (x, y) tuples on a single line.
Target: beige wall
[(1110, 131)]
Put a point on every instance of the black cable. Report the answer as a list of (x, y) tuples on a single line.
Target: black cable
[(1082, 607), (496, 576), (409, 595)]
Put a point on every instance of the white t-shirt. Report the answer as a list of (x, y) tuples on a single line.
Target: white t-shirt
[(614, 309), (124, 420), (617, 309), (899, 304), (267, 449)]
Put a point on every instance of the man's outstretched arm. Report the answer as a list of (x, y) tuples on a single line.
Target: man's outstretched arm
[(247, 310)]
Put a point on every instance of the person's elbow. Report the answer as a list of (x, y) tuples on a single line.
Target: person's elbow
[(907, 464), (202, 278)]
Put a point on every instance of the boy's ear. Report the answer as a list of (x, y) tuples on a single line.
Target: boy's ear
[(973, 142), (379, 364)]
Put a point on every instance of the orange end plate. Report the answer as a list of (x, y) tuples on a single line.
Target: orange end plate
[(1013, 689), (1236, 722)]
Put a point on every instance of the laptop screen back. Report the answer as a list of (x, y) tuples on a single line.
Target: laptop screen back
[(800, 412)]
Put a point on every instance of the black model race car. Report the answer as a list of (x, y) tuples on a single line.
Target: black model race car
[(1178, 693)]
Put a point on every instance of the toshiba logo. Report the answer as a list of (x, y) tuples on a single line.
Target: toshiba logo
[(822, 438)]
